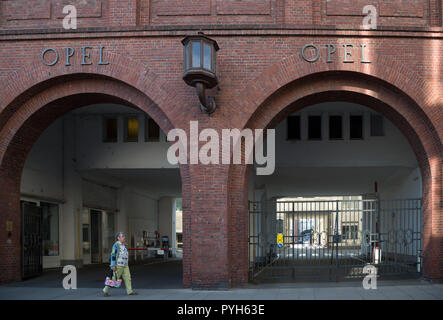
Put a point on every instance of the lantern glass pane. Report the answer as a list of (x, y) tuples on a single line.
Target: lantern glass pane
[(196, 54), (207, 57)]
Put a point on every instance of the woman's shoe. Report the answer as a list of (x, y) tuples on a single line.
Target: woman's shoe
[(133, 294)]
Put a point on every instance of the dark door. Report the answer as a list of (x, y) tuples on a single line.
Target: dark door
[(32, 260), (96, 235)]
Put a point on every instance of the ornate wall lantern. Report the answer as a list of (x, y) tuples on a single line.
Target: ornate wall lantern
[(200, 67)]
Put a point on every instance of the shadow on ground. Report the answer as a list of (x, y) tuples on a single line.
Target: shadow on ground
[(147, 275)]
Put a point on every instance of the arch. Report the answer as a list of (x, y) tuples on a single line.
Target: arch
[(25, 116), (268, 109), (387, 72), (35, 77)]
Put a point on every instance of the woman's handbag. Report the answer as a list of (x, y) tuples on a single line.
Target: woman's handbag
[(113, 283)]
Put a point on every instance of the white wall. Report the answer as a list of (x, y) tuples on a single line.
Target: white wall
[(166, 218), (43, 171), (341, 167), (408, 185), (53, 171), (94, 154), (142, 212), (99, 195), (391, 150)]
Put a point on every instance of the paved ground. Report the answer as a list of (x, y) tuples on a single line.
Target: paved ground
[(162, 281)]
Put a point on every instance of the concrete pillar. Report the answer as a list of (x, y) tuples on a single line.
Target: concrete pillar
[(122, 217), (166, 219), (72, 189)]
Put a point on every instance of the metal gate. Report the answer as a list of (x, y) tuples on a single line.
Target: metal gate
[(334, 239), (32, 260)]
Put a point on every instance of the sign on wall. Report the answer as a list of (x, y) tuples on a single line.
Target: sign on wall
[(51, 56)]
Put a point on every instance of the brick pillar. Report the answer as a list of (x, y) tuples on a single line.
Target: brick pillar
[(11, 167), (432, 224), (239, 224), (10, 245), (207, 228)]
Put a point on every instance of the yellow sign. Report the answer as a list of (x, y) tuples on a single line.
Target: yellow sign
[(280, 240), (8, 226)]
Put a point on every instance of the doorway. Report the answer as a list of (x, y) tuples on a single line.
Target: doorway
[(32, 259), (98, 229), (96, 235)]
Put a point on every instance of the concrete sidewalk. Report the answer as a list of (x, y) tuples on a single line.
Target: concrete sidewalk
[(404, 290), (162, 280)]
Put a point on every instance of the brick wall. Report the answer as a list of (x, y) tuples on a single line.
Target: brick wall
[(44, 14), (259, 68)]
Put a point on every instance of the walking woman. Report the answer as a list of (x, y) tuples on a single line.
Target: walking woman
[(119, 264)]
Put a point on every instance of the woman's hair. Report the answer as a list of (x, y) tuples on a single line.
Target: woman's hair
[(118, 235)]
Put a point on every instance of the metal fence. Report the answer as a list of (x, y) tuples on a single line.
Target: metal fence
[(334, 239)]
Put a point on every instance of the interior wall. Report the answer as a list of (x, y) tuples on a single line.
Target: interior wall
[(343, 167), (166, 216), (407, 186), (93, 153), (43, 171), (54, 163), (142, 213)]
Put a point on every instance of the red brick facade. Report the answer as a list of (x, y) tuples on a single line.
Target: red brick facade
[(262, 79)]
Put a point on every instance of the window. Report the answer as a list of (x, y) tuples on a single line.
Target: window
[(294, 128), (314, 128), (207, 57), (349, 232), (110, 129), (356, 127), (50, 228), (196, 54), (377, 129), (131, 132), (335, 127), (152, 130)]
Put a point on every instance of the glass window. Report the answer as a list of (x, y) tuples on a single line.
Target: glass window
[(314, 128), (196, 54), (110, 132), (207, 57), (294, 128), (131, 129), (377, 129), (152, 130), (335, 127), (356, 127), (50, 229)]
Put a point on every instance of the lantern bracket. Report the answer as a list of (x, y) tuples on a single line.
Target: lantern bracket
[(207, 104)]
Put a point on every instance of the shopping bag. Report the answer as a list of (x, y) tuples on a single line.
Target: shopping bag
[(113, 283)]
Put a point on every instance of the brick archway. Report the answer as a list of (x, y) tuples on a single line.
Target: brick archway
[(35, 77), (385, 70), (46, 94), (267, 109)]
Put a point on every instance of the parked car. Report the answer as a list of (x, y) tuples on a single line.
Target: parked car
[(306, 237)]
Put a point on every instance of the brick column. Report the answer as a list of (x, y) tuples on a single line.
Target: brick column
[(207, 227), (10, 247)]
